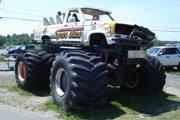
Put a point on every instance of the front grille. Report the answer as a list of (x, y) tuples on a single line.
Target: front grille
[(123, 29)]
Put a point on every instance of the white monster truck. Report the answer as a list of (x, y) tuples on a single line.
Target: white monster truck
[(83, 52)]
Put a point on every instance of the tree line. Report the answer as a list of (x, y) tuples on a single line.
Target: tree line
[(157, 42), (16, 39), (19, 39)]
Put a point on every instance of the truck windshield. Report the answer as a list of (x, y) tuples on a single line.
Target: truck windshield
[(92, 14), (152, 51), (98, 17)]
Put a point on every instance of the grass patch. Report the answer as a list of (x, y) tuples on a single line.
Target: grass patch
[(7, 83), (49, 105), (16, 88), (2, 47), (119, 105), (173, 71), (125, 106), (38, 46), (22, 92)]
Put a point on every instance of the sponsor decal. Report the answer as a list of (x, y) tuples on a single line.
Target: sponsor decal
[(62, 35), (72, 32), (108, 28), (93, 26), (75, 34)]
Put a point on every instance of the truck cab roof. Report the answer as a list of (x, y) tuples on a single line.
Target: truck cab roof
[(91, 10)]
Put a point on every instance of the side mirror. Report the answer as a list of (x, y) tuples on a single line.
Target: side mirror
[(23, 48), (159, 54), (59, 13)]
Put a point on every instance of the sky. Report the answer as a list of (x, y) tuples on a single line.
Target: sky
[(160, 16)]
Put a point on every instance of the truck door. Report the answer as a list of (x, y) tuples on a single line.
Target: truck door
[(74, 26), (174, 56), (164, 57)]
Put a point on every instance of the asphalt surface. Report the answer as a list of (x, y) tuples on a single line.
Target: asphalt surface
[(3, 52), (12, 113)]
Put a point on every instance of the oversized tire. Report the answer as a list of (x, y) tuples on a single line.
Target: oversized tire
[(46, 61), (178, 66), (151, 77), (78, 80), (30, 67)]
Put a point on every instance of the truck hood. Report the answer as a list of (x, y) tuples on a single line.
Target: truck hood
[(125, 23)]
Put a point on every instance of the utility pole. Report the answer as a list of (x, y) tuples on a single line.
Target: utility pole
[(1, 4)]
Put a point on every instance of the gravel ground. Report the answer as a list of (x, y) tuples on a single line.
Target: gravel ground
[(4, 65), (24, 103), (14, 113), (172, 86)]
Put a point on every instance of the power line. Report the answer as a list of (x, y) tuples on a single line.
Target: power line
[(167, 31), (134, 5), (22, 13), (172, 28), (153, 3), (99, 2), (147, 19), (2, 3), (21, 19)]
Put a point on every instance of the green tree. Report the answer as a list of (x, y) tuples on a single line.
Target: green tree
[(16, 39), (2, 40)]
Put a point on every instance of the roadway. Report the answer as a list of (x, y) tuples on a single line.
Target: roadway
[(3, 51)]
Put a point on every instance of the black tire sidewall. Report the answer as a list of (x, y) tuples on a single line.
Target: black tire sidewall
[(34, 70), (151, 77), (19, 59), (86, 80), (60, 63), (178, 66)]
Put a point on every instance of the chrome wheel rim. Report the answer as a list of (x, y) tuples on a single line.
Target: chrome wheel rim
[(61, 81), (21, 71)]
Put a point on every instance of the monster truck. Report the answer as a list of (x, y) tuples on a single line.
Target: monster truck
[(84, 53)]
